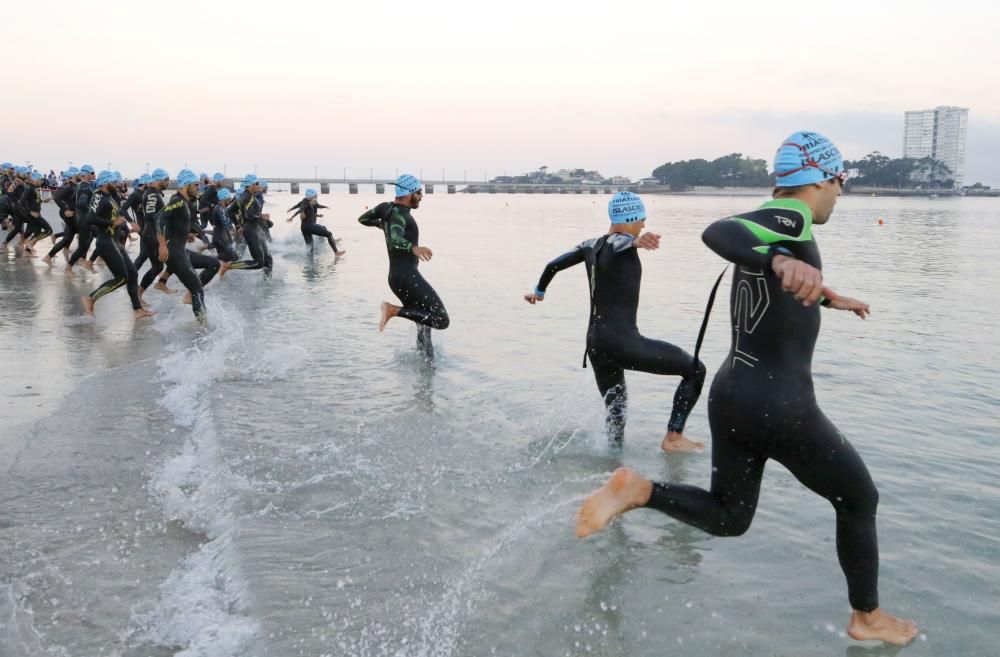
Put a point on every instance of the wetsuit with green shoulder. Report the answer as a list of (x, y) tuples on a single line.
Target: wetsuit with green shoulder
[(421, 303), (762, 404)]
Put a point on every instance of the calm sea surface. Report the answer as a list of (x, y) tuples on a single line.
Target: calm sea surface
[(290, 482)]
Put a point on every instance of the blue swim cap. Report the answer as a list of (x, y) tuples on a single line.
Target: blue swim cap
[(406, 185), (186, 177), (105, 178), (159, 175), (202, 176), (35, 175), (310, 193), (72, 171), (224, 194), (86, 168), (250, 179), (262, 183), (218, 178), (806, 158), (626, 207), (145, 179), (6, 165)]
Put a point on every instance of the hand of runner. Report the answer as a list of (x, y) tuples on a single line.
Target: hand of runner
[(163, 253), (423, 253), (648, 241), (533, 298), (798, 278), (837, 302)]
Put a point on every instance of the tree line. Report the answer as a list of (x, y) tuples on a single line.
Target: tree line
[(874, 170)]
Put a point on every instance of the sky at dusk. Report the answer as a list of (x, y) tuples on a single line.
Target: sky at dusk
[(484, 88)]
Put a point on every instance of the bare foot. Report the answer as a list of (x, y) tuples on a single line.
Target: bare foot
[(162, 287), (3, 246), (47, 260), (224, 267), (678, 442), (625, 491), (142, 312), (187, 299), (88, 305), (88, 265), (879, 625), (69, 272), (339, 253), (388, 312)]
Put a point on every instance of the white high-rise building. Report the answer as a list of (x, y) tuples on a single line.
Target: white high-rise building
[(939, 133)]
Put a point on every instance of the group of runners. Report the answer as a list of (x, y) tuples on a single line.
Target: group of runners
[(99, 208), (762, 404)]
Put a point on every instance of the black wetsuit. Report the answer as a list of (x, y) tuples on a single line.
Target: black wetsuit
[(614, 343), (38, 228), (150, 205), (762, 403), (222, 238), (84, 234), (207, 200), (64, 198), (421, 304), (15, 189), (104, 210), (7, 212), (246, 210), (308, 212), (132, 207), (174, 224)]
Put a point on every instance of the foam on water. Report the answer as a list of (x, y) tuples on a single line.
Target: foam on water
[(204, 603)]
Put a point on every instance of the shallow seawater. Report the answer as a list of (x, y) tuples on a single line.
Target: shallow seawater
[(289, 481)]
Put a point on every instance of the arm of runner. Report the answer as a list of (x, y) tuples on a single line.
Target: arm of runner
[(565, 261)]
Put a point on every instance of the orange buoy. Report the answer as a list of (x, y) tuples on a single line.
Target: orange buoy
[(881, 221)]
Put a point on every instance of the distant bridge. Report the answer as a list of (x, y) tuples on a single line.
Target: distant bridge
[(452, 186)]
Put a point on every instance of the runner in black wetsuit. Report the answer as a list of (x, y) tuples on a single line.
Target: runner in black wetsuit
[(7, 212), (149, 248), (247, 214), (173, 226), (14, 190), (84, 235), (421, 304), (306, 210), (222, 227), (64, 197), (106, 219), (31, 202), (614, 343), (762, 404), (209, 198)]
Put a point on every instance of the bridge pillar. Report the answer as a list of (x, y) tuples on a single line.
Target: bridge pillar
[(295, 188), (451, 189), (546, 190), (512, 190), (492, 189), (428, 189), (593, 190), (529, 190), (352, 188), (324, 188), (578, 190), (563, 190), (607, 190), (380, 188)]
